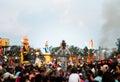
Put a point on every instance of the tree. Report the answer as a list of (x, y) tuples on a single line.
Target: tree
[(14, 50), (74, 50), (54, 50), (85, 50)]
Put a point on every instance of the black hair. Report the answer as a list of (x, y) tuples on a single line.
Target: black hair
[(100, 73), (74, 70)]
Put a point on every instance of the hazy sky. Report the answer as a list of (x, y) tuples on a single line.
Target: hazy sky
[(75, 21)]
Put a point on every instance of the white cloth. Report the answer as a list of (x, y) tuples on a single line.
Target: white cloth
[(93, 70), (7, 74), (37, 61), (74, 77)]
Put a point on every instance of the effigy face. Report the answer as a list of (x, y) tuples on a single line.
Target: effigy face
[(25, 41)]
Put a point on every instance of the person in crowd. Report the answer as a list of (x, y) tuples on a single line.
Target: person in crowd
[(9, 76), (41, 76), (1, 78), (4, 68), (81, 77), (74, 76), (99, 76), (60, 76), (107, 77), (86, 78), (32, 76), (24, 76), (116, 76), (52, 76), (66, 75)]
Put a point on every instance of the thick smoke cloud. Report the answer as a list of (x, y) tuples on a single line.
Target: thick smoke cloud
[(111, 27)]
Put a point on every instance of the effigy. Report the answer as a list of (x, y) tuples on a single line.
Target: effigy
[(25, 50), (47, 53), (63, 54), (90, 47)]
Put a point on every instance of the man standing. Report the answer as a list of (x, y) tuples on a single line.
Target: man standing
[(74, 77)]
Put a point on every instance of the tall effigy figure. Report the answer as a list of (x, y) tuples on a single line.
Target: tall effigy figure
[(63, 53), (90, 47), (47, 52), (25, 50)]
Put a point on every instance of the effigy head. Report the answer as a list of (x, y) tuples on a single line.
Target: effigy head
[(25, 40), (63, 44), (46, 43)]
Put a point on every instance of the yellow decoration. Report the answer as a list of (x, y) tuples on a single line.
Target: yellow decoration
[(39, 64), (21, 57), (47, 58)]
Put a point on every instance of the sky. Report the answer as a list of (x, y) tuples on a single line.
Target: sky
[(75, 21)]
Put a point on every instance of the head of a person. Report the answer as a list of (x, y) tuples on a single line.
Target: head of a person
[(42, 72), (104, 68), (108, 77), (100, 72), (74, 70)]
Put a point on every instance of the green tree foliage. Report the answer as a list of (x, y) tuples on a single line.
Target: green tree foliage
[(14, 50), (85, 51), (54, 50), (74, 50)]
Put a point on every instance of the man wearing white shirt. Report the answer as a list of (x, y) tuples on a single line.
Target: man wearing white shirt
[(74, 76)]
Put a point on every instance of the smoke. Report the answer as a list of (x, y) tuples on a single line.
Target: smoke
[(111, 27)]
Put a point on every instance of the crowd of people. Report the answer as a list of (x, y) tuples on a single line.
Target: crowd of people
[(52, 72)]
